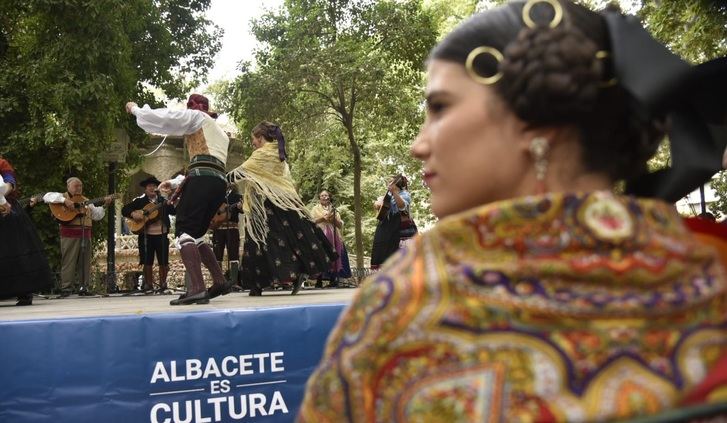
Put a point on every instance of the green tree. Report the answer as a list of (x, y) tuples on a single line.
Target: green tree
[(341, 75), (67, 67), (449, 13)]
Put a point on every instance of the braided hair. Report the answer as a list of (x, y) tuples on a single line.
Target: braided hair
[(552, 76), (271, 132)]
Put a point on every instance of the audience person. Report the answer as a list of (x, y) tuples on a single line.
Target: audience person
[(541, 295)]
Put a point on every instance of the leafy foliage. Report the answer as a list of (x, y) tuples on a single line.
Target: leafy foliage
[(344, 78), (67, 67)]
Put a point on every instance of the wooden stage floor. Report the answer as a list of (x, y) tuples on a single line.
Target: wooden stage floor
[(138, 304)]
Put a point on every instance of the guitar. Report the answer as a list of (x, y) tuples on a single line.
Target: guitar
[(384, 210), (25, 201), (222, 215), (151, 214), (64, 214)]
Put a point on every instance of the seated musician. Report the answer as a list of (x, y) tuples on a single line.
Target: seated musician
[(150, 214), (76, 236)]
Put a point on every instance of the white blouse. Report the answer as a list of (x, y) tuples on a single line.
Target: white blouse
[(168, 121)]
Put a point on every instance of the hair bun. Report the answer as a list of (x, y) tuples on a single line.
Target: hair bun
[(550, 75)]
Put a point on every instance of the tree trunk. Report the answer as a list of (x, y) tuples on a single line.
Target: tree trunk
[(357, 211)]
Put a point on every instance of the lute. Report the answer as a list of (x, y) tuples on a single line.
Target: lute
[(150, 214), (65, 214), (222, 215), (384, 210)]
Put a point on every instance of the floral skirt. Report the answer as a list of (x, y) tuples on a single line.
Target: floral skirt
[(294, 246)]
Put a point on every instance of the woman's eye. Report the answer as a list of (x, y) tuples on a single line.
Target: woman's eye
[(435, 107)]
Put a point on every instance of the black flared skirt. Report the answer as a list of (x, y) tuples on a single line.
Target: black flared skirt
[(294, 246), (23, 264), (386, 239)]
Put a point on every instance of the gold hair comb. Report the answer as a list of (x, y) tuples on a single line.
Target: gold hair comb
[(469, 64), (557, 13)]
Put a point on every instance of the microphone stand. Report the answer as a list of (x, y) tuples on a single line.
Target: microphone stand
[(334, 274), (146, 254), (165, 238), (83, 288)]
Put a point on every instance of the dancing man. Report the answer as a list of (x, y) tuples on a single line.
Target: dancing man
[(200, 192)]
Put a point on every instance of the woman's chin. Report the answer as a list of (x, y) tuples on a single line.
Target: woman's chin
[(441, 209)]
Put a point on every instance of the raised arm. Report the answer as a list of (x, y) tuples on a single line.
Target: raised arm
[(166, 121)]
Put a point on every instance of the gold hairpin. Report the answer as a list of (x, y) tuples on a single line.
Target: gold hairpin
[(469, 64), (557, 10), (601, 55)]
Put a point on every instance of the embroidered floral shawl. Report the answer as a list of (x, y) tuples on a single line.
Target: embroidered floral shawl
[(584, 307)]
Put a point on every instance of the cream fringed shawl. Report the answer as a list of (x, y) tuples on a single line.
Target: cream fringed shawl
[(263, 176)]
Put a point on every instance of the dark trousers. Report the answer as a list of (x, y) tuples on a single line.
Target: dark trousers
[(226, 238), (200, 198)]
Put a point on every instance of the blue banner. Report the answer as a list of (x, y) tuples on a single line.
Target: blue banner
[(199, 367)]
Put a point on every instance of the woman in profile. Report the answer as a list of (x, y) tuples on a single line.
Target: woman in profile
[(541, 295), (281, 241)]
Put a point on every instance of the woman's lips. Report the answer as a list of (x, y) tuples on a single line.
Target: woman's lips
[(428, 176)]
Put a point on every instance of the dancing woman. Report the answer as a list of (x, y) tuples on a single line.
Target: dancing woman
[(281, 240), (541, 294)]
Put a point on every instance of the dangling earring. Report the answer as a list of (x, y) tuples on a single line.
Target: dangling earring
[(539, 147)]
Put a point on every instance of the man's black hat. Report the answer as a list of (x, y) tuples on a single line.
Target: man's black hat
[(149, 180)]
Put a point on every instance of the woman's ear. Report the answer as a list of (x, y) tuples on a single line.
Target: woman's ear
[(552, 135)]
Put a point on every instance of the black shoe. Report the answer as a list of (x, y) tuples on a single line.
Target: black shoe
[(83, 292), (25, 300), (178, 301), (198, 298), (334, 284), (298, 284), (256, 291), (219, 289), (319, 283)]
